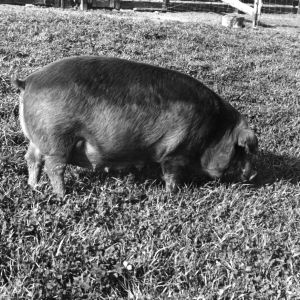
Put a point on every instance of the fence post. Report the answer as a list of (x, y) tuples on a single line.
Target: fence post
[(83, 5), (256, 12), (165, 4), (62, 3), (117, 4)]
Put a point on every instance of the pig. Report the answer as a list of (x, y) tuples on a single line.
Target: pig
[(95, 111)]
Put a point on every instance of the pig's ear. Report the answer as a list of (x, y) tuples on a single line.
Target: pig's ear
[(248, 140)]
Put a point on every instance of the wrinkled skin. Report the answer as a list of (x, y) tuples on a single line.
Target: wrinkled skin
[(107, 112)]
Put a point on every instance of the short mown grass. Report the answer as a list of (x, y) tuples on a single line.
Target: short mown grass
[(121, 235)]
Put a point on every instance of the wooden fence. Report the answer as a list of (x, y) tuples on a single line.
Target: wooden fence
[(53, 3), (269, 6)]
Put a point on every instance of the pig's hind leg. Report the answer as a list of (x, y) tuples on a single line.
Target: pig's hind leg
[(66, 150), (35, 163), (56, 159)]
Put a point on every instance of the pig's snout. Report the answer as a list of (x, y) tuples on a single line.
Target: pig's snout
[(248, 174)]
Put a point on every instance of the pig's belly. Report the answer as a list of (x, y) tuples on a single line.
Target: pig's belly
[(86, 155)]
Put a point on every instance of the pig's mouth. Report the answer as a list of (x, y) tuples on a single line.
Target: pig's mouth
[(241, 170), (247, 172)]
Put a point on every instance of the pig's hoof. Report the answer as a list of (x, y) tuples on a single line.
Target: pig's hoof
[(171, 187), (60, 194), (32, 183)]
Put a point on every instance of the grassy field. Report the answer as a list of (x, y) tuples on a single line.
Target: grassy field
[(120, 235)]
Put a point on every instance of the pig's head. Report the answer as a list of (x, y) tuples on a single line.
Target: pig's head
[(234, 150)]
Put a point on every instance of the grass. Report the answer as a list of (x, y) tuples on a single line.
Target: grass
[(120, 235)]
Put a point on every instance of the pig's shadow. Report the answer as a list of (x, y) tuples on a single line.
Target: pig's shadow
[(269, 166), (272, 167)]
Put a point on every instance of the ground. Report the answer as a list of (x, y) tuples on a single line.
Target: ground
[(121, 235)]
